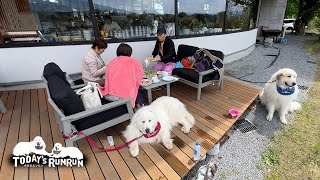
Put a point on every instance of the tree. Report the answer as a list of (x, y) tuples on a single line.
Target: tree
[(307, 9)]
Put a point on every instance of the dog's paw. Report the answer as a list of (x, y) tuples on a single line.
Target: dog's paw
[(283, 120), (168, 144), (185, 130), (134, 152), (269, 117)]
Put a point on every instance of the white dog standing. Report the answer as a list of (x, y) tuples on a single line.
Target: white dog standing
[(279, 95), (58, 151), (168, 111), (37, 146)]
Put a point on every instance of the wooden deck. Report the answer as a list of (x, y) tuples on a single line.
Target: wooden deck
[(30, 115)]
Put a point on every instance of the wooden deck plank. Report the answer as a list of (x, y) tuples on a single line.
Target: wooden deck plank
[(49, 172), (20, 171), (104, 162), (219, 126), (35, 173), (133, 164), (154, 160), (165, 168), (222, 97), (143, 158), (116, 159), (7, 169), (5, 125), (92, 166), (65, 173), (211, 105)]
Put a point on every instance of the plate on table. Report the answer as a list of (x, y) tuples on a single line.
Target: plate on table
[(169, 78), (146, 82)]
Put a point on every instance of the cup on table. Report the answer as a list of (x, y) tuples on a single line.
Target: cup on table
[(155, 79)]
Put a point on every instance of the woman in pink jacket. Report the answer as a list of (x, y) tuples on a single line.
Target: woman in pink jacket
[(93, 66), (123, 77)]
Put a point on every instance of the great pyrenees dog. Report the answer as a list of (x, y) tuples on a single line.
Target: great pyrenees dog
[(58, 151), (36, 146), (168, 112), (279, 94)]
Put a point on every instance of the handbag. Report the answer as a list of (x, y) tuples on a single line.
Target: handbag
[(90, 95)]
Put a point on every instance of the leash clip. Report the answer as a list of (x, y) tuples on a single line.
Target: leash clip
[(71, 136)]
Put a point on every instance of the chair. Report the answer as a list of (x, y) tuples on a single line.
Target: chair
[(71, 115), (52, 68), (193, 78)]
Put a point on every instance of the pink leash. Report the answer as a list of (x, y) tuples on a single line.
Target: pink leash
[(93, 144)]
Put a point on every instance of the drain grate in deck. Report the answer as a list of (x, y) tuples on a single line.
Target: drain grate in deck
[(302, 87), (244, 125)]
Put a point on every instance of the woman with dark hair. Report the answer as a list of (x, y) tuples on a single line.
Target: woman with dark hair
[(93, 66), (123, 77)]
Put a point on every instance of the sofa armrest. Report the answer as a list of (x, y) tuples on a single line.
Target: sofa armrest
[(206, 72), (78, 86), (96, 110)]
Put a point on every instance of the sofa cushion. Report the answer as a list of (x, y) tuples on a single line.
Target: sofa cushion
[(186, 51), (51, 69), (63, 96), (99, 118), (193, 76)]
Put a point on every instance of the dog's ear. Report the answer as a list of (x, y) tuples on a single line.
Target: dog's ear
[(279, 75)]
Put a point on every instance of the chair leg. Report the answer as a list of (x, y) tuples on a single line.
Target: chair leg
[(66, 131), (2, 107), (69, 143), (221, 84), (199, 93)]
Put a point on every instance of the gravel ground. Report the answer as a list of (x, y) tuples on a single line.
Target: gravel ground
[(240, 157)]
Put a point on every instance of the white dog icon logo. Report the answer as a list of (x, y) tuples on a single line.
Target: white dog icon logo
[(37, 146), (59, 151)]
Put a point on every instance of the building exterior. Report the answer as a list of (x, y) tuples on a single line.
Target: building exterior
[(35, 32)]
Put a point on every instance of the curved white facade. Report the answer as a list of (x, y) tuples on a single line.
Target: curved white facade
[(26, 63)]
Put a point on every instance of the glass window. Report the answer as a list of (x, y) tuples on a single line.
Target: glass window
[(134, 18), (201, 16), (238, 15), (45, 21)]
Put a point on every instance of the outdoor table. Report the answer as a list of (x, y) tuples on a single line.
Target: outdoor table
[(155, 85)]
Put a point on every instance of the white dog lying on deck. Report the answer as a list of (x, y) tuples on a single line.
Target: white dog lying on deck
[(59, 151), (280, 94), (37, 146), (168, 111)]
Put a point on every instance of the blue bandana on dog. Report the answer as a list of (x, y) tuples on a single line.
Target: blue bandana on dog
[(286, 91)]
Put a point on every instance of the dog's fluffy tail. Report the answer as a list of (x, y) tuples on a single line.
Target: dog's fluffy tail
[(294, 106), (190, 118)]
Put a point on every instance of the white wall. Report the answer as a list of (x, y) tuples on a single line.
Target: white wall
[(26, 63)]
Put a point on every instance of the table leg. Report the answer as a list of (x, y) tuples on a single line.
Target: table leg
[(168, 89), (149, 96)]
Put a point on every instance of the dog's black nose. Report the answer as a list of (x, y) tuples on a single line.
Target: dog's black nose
[(147, 130), (293, 84), (38, 143)]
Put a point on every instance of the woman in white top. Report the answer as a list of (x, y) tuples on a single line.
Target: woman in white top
[(93, 66), (110, 25)]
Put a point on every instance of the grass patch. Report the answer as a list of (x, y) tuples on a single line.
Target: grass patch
[(270, 158), (297, 148)]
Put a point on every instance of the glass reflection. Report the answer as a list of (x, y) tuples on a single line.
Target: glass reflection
[(201, 17), (134, 18)]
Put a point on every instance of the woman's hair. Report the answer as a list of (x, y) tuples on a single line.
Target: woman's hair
[(100, 43), (124, 50)]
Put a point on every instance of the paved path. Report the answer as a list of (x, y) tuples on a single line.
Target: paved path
[(240, 157)]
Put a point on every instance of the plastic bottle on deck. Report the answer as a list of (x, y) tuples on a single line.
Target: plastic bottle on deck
[(196, 151)]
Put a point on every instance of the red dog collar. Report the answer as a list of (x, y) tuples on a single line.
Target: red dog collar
[(154, 133)]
